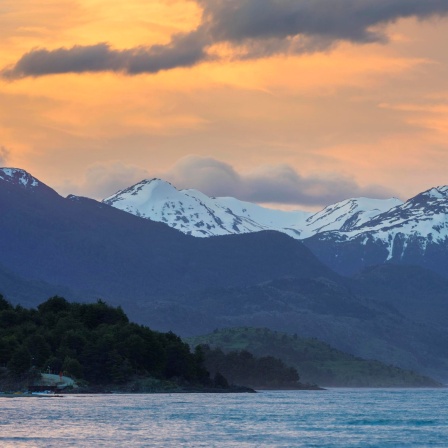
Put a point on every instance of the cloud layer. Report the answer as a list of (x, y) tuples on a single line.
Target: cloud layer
[(256, 27), (279, 184)]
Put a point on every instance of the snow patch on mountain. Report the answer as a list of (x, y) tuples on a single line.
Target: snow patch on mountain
[(18, 177)]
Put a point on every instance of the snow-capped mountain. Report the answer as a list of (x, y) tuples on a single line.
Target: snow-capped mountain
[(424, 213), (415, 232), (347, 215), (17, 176), (424, 216), (82, 245), (346, 236), (194, 213)]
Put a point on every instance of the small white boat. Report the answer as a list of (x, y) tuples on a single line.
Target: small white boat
[(45, 393)]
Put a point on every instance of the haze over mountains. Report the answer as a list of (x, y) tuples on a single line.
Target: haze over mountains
[(84, 250)]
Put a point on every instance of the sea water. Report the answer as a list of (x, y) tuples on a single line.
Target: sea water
[(331, 418)]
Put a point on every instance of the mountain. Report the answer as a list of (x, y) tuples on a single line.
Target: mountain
[(97, 250), (417, 293), (335, 312), (413, 233), (346, 236), (346, 216), (196, 214), (31, 292), (16, 176), (315, 361), (81, 248)]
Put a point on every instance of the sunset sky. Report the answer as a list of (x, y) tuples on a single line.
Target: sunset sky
[(293, 103)]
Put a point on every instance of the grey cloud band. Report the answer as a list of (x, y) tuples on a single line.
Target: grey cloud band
[(259, 27)]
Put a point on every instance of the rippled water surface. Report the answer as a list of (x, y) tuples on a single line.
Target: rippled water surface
[(332, 418)]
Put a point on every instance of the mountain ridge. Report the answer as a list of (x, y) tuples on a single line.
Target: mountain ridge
[(347, 236), (187, 211), (77, 241)]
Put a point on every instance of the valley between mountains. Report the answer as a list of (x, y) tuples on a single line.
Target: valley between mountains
[(367, 276)]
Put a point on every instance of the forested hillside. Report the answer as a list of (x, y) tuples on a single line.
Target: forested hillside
[(315, 361), (92, 342), (242, 367)]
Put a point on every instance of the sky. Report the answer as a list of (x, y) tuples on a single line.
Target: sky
[(290, 103)]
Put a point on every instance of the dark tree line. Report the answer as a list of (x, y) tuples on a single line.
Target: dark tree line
[(243, 368), (94, 342)]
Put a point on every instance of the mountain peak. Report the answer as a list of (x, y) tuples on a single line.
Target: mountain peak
[(18, 176), (440, 192), (154, 182), (348, 214), (146, 190), (197, 214)]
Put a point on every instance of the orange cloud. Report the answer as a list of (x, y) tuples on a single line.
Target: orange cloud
[(375, 113)]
